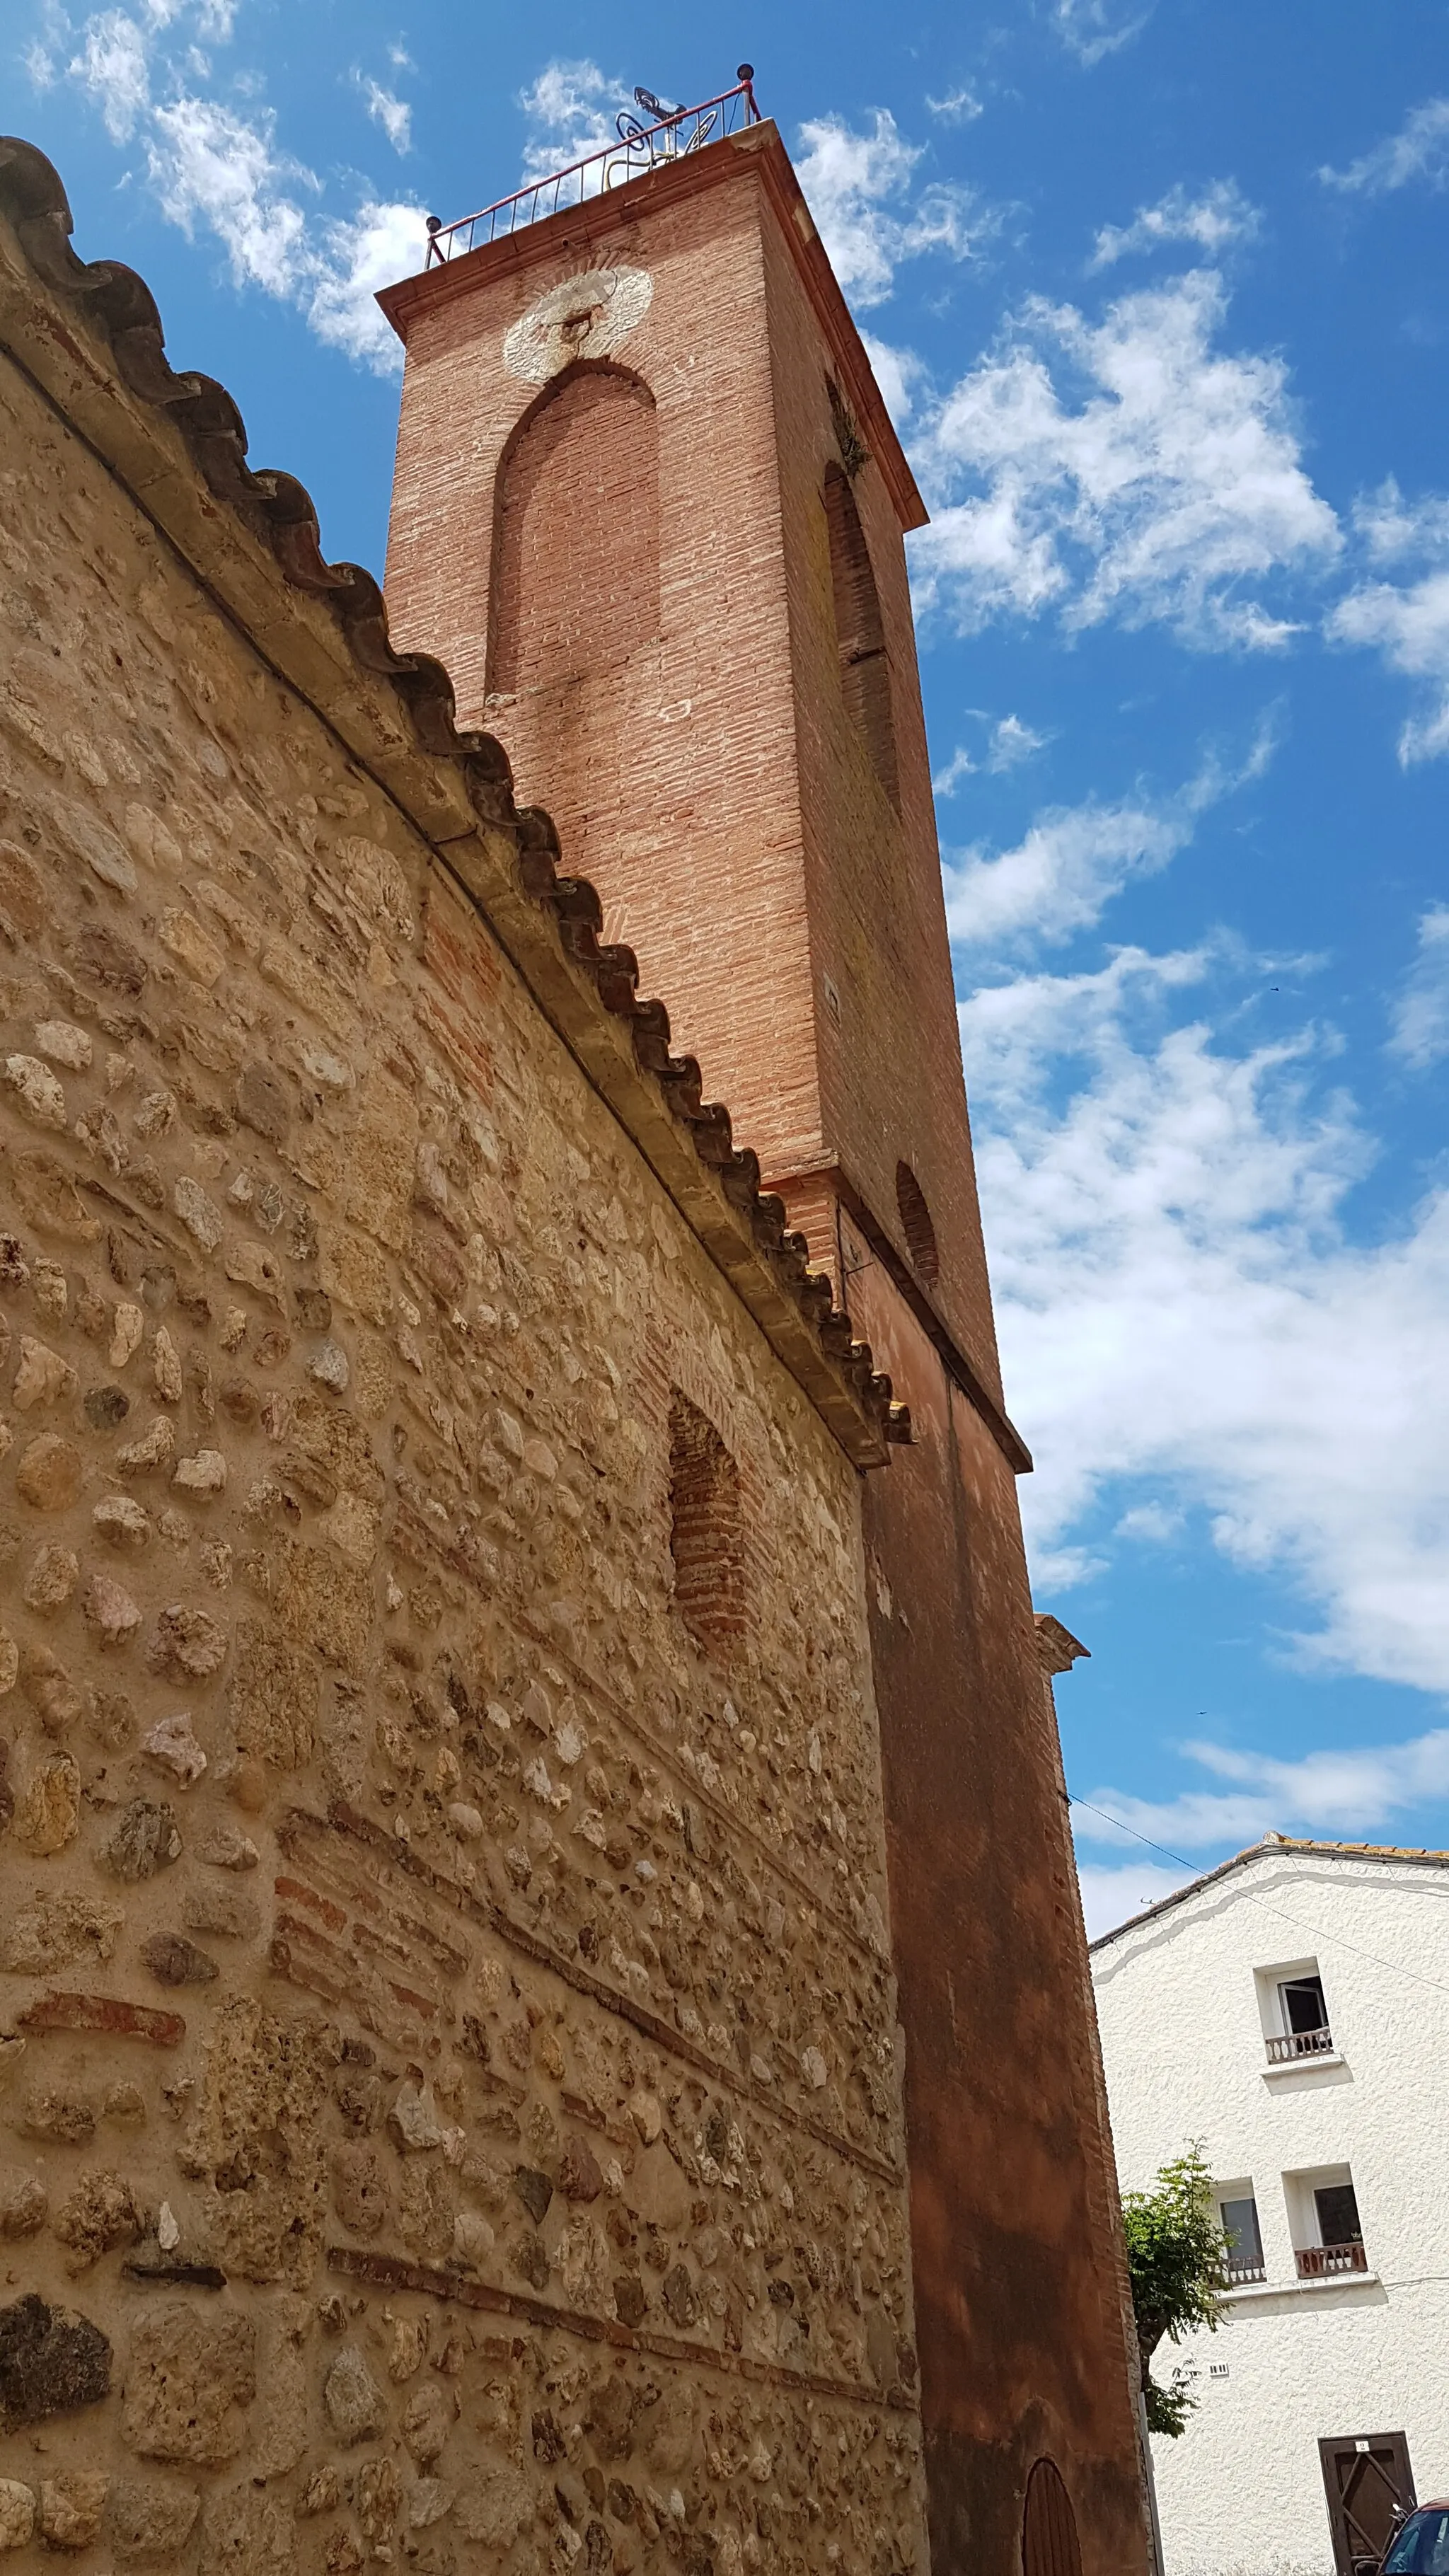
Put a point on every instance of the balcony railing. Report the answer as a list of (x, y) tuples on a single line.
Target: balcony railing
[(646, 142), (1235, 2272), (1300, 2043), (1320, 2262)]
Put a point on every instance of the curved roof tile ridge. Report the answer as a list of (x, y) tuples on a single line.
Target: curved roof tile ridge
[(278, 508)]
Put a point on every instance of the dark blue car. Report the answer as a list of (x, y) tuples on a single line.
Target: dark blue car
[(1420, 2547)]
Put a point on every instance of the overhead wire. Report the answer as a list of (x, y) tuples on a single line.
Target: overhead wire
[(1395, 1967)]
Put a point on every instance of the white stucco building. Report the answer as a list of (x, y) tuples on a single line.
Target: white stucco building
[(1291, 2011)]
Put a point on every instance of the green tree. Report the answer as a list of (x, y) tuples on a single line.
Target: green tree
[(1175, 2256)]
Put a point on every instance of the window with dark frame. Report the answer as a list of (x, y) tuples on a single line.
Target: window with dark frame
[(1336, 2208)]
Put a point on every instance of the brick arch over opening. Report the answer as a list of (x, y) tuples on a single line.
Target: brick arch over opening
[(575, 577), (865, 673), (1049, 2544)]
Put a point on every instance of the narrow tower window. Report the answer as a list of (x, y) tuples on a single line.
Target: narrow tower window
[(916, 1225), (865, 676), (575, 584), (706, 1536)]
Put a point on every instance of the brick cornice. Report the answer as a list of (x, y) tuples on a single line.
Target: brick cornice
[(89, 336), (757, 148)]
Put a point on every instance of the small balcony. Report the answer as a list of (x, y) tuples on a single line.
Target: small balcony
[(1325, 2262), (1236, 2271), (1297, 2044)]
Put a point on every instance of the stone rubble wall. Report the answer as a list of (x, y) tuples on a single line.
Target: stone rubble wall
[(449, 2084)]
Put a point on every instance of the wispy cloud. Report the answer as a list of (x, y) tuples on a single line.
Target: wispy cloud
[(1421, 1013), (1093, 29), (859, 188), (215, 168), (1075, 858), (1420, 150), (958, 107), (393, 114), (1170, 490), (1214, 221), (1007, 744), (1407, 618)]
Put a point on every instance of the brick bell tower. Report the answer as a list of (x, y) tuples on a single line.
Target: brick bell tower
[(649, 508)]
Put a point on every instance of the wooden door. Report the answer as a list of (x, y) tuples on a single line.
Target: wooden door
[(1369, 2483), (1049, 2528)]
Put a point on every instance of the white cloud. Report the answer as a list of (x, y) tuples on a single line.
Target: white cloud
[(1354, 1792), (217, 169), (1408, 619), (1092, 29), (1215, 222), (571, 108), (1183, 1311), (1171, 490), (1421, 1014), (1008, 743), (1156, 1524), (1074, 858), (372, 248), (1012, 742), (897, 372), (113, 65), (1109, 1896), (393, 114), (1420, 150), (958, 107), (853, 182), (209, 165)]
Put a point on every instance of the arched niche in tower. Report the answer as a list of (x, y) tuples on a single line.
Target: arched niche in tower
[(575, 571), (865, 675)]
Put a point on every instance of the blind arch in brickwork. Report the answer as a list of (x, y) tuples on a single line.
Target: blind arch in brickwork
[(706, 1529), (575, 582), (1049, 2544), (865, 677)]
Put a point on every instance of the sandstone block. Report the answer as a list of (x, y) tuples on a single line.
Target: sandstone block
[(17, 2514), (352, 2397), (359, 2189), (23, 2203), (71, 2507), (49, 1473), (50, 1579), (43, 1377), (172, 1742), (110, 1611), (190, 2380), (145, 1838), (188, 1642), (226, 1913), (37, 1092), (149, 2520), (121, 1523), (247, 2533), (175, 1962), (100, 2213), (153, 1449), (47, 1809), (61, 1042)]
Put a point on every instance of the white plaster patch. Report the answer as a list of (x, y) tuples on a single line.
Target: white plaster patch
[(588, 316)]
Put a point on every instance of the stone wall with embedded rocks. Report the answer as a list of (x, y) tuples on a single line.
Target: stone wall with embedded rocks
[(449, 2099)]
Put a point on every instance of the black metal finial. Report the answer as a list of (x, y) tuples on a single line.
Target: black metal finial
[(435, 223), (744, 71)]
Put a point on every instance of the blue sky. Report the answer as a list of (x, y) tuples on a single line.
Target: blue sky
[(1156, 293)]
